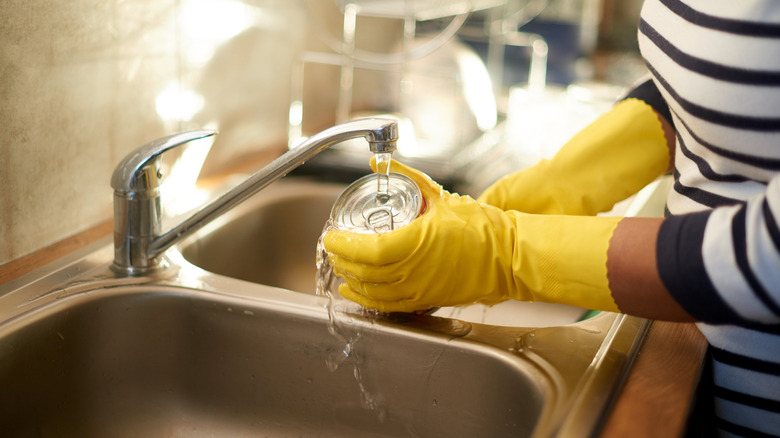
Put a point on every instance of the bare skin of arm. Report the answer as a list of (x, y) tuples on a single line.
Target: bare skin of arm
[(631, 264), (633, 275)]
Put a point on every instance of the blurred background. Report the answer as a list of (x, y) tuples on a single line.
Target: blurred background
[(481, 87)]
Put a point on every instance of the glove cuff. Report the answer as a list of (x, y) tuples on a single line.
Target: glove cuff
[(611, 159), (564, 260)]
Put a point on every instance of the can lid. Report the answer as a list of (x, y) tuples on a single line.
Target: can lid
[(362, 208)]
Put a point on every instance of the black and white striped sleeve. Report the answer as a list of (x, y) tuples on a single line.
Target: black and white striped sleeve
[(723, 265)]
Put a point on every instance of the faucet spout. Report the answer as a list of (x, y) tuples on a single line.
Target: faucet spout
[(137, 256)]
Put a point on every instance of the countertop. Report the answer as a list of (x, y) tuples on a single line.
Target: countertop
[(655, 400)]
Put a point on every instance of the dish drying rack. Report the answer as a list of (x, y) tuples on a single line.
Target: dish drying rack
[(500, 31)]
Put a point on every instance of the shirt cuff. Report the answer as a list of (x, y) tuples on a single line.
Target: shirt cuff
[(648, 93), (681, 268)]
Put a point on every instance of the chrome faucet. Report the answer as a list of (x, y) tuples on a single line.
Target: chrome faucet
[(138, 240)]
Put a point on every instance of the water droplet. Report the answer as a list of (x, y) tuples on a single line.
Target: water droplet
[(382, 415)]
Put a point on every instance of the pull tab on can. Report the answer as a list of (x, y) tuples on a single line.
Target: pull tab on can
[(360, 209)]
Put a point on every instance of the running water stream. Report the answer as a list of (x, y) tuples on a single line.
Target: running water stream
[(340, 323), (341, 326), (327, 282), (383, 160)]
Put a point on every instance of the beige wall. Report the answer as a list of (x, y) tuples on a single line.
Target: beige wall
[(78, 87), (79, 81)]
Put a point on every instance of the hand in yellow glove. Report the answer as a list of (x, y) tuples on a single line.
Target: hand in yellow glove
[(460, 251), (611, 159)]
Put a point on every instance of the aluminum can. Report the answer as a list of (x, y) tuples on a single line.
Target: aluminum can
[(373, 205)]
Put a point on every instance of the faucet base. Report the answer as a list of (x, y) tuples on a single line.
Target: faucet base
[(140, 271)]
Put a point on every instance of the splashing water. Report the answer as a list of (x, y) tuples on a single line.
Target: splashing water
[(327, 285), (341, 326)]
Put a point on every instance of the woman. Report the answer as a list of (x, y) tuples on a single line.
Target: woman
[(711, 111)]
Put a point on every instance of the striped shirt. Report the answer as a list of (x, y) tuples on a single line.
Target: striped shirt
[(715, 69)]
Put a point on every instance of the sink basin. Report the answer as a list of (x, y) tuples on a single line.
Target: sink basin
[(212, 346), (152, 361), (271, 238)]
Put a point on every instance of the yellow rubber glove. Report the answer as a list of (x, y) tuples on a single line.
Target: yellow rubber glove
[(460, 251), (611, 159)]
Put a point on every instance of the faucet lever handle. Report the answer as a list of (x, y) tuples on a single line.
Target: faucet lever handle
[(130, 174)]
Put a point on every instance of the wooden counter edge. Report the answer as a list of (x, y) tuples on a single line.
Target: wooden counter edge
[(658, 394), (16, 268)]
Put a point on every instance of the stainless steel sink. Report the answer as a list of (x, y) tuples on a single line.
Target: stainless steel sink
[(209, 351), (270, 239), (156, 360)]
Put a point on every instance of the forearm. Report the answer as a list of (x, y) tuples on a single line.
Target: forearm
[(611, 159), (648, 92), (632, 270), (633, 273)]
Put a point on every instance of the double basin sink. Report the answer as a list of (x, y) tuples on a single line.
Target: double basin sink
[(231, 340)]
